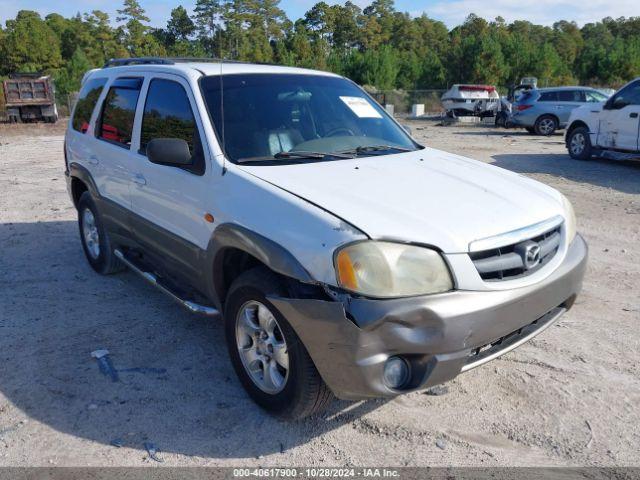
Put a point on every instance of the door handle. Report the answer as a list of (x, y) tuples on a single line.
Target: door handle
[(139, 179), (93, 160), (634, 115)]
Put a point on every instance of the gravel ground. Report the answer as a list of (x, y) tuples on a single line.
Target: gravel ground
[(569, 397)]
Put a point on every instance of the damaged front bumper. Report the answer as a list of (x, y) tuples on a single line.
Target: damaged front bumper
[(440, 336)]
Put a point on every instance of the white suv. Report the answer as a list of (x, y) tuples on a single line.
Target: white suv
[(610, 129), (345, 258)]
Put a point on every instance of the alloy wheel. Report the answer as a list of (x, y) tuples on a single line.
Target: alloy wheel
[(547, 126), (90, 233), (578, 142), (262, 347)]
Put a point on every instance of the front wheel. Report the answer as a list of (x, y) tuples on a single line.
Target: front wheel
[(579, 144), (271, 362)]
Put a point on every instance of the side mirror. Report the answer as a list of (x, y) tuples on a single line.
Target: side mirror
[(407, 129), (169, 151), (615, 103)]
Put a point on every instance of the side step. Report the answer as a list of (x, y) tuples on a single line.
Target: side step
[(153, 280), (619, 156)]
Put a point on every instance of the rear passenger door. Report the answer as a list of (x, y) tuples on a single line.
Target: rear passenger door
[(169, 201), (112, 156), (567, 101)]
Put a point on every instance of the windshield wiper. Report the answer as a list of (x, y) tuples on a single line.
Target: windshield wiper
[(295, 155), (376, 148)]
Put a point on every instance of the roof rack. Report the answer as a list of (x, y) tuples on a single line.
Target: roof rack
[(120, 62)]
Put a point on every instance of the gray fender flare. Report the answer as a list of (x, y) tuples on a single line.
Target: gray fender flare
[(81, 173), (270, 253)]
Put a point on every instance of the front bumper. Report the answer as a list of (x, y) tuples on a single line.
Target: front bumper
[(440, 335)]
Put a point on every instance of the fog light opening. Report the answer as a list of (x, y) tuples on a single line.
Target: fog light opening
[(396, 372)]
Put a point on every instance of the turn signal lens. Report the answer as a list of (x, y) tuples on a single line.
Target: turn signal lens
[(346, 275)]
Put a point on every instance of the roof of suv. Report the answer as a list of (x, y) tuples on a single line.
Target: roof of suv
[(557, 89), (205, 66)]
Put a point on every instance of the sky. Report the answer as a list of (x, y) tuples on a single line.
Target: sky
[(451, 12)]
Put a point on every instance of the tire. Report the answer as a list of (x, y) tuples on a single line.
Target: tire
[(501, 120), (95, 239), (531, 130), (546, 125), (579, 144), (292, 393)]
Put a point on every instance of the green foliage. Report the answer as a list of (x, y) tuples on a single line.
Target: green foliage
[(68, 79), (29, 45), (377, 45)]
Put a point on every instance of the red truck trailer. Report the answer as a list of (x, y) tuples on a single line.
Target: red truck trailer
[(30, 97)]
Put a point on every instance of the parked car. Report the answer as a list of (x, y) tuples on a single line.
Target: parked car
[(471, 100), (545, 110), (345, 258), (608, 128)]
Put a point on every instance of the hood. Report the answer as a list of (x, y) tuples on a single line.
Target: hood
[(591, 107), (427, 196)]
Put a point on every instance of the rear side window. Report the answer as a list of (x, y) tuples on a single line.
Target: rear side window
[(570, 96), (87, 101), (118, 112), (168, 114), (548, 97)]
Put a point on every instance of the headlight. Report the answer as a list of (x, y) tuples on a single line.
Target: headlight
[(569, 219), (385, 269)]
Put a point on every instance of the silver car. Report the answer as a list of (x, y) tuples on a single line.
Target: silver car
[(545, 110)]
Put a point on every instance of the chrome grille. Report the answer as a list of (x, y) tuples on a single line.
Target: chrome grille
[(512, 261)]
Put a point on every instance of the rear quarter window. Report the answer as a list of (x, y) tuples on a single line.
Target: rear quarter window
[(87, 100), (119, 110), (548, 97)]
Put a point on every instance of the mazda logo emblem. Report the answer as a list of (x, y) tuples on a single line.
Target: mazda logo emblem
[(531, 255)]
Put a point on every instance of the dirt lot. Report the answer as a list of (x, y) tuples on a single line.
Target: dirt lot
[(569, 397)]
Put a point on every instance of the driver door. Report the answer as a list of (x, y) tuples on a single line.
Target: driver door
[(620, 120)]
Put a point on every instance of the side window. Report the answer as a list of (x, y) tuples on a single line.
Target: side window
[(86, 102), (118, 111), (168, 114), (630, 95), (569, 96), (548, 97)]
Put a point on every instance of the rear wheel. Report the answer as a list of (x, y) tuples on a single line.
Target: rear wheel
[(546, 125), (95, 239), (579, 144), (271, 362)]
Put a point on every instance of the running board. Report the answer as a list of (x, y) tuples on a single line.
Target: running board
[(153, 280), (619, 156)]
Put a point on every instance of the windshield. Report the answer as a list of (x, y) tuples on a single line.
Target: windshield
[(284, 118)]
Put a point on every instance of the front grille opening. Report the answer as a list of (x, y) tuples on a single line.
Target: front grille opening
[(505, 263)]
